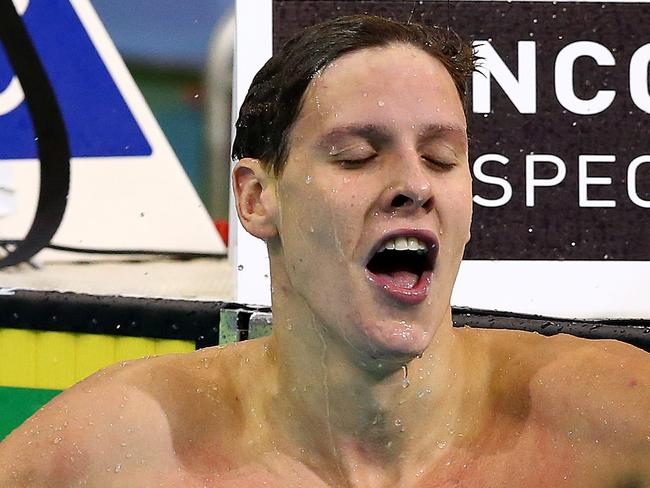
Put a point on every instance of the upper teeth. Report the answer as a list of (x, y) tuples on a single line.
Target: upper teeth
[(405, 244)]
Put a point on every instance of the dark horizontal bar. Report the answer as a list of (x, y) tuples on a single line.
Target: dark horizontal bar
[(199, 320), (633, 331), (115, 315)]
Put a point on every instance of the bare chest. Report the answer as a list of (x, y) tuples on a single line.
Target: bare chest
[(172, 473), (537, 458), (534, 458)]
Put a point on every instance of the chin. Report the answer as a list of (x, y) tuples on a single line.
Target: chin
[(396, 341)]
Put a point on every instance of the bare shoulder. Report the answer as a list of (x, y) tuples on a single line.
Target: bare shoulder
[(563, 356), (590, 396), (139, 412), (609, 374), (596, 394), (567, 373), (70, 431)]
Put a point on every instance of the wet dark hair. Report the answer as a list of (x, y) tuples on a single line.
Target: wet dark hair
[(275, 96)]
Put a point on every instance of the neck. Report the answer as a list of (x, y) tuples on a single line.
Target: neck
[(369, 422)]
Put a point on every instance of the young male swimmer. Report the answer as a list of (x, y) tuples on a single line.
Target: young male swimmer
[(353, 167)]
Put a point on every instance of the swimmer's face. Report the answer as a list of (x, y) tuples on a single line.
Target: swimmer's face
[(377, 154)]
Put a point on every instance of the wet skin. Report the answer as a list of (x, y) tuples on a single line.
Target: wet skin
[(534, 416), (379, 146)]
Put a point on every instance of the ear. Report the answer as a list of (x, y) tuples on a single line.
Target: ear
[(255, 198)]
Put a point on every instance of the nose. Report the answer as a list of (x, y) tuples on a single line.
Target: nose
[(409, 192)]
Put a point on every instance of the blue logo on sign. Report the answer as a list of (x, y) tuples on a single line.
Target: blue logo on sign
[(97, 119)]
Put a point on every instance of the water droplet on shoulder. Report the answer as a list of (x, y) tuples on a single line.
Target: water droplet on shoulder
[(424, 392)]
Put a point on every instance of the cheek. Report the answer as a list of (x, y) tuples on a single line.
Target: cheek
[(305, 216), (459, 211), (324, 210)]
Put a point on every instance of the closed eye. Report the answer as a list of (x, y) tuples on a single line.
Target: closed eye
[(439, 163), (355, 163)]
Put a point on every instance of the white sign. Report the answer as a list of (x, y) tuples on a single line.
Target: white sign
[(128, 190), (576, 283)]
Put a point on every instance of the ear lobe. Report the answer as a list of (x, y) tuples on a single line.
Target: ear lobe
[(254, 198)]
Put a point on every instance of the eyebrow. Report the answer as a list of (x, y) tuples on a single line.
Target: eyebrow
[(375, 134), (434, 130)]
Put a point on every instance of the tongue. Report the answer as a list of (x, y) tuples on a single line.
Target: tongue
[(404, 279)]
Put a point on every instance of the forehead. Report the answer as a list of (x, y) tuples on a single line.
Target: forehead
[(401, 60), (399, 83)]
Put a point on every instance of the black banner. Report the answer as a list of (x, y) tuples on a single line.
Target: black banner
[(559, 153)]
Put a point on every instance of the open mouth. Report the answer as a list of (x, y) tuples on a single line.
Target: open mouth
[(402, 265)]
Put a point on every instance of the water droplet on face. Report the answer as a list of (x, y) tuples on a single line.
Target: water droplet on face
[(441, 444), (307, 179), (118, 468), (381, 103), (405, 380), (57, 440)]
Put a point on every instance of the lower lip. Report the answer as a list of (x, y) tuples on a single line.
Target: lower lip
[(411, 296)]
